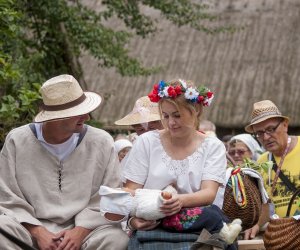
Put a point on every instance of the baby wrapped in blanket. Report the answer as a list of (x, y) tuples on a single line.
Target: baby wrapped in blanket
[(117, 204)]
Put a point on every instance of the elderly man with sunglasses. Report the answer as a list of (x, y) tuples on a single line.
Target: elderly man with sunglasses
[(270, 127)]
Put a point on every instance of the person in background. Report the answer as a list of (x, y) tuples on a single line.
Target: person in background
[(243, 146), (144, 116), (208, 128), (51, 171), (179, 154), (270, 127), (122, 146), (225, 139)]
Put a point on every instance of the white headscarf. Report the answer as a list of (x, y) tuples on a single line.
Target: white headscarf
[(122, 143), (251, 143)]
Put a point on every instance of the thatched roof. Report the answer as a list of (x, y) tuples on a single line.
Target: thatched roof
[(261, 61)]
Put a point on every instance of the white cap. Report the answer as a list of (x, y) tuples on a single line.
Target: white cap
[(121, 144)]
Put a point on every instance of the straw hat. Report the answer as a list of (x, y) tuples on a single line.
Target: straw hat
[(63, 98), (144, 111), (262, 111)]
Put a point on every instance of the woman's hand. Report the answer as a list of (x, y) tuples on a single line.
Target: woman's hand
[(171, 206), (144, 225)]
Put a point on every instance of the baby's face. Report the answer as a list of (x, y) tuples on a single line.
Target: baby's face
[(123, 153)]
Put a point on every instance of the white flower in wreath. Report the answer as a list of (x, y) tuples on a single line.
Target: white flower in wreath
[(191, 94), (207, 101), (161, 94), (165, 91), (183, 83)]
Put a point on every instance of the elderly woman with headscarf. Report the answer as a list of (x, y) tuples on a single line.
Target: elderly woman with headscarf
[(243, 146)]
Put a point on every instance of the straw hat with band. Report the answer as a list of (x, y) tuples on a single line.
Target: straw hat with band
[(63, 97), (144, 111), (262, 111)]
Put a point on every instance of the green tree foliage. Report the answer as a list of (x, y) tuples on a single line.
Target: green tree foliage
[(18, 90), (44, 38)]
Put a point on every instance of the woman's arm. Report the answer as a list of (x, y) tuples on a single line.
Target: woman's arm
[(205, 196)]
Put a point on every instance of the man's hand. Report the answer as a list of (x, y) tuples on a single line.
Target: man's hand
[(263, 219), (140, 224), (71, 239), (251, 232), (43, 237)]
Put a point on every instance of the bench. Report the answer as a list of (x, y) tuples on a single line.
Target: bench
[(251, 244)]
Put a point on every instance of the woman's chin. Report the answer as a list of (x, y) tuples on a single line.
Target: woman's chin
[(175, 131), (239, 162)]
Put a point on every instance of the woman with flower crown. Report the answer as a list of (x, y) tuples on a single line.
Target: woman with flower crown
[(180, 155)]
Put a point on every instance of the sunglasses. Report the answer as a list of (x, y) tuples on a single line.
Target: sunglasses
[(237, 151)]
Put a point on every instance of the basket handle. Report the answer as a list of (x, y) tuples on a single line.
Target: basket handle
[(297, 193)]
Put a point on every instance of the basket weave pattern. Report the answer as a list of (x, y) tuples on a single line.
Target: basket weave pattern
[(250, 214), (283, 233)]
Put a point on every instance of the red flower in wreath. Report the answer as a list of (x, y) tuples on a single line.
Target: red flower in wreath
[(154, 97), (172, 92), (178, 90), (209, 94), (200, 98)]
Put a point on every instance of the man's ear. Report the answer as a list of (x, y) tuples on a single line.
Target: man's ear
[(286, 124)]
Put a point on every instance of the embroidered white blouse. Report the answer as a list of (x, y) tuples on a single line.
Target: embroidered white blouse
[(148, 164)]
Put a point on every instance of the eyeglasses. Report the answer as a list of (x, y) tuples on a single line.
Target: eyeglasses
[(269, 131), (237, 151)]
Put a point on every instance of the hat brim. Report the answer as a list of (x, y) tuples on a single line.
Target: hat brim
[(137, 118), (91, 102), (249, 128)]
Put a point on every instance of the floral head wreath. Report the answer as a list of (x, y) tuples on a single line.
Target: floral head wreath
[(201, 95)]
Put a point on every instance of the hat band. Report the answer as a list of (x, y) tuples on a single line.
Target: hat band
[(65, 105), (264, 114)]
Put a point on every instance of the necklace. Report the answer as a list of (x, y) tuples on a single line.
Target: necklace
[(280, 164)]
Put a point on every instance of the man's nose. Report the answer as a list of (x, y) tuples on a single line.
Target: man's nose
[(265, 136)]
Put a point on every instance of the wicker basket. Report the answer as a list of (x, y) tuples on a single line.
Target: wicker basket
[(250, 214), (283, 233)]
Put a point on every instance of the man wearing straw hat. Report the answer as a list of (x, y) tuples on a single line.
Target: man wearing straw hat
[(270, 127), (51, 171), (144, 116)]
